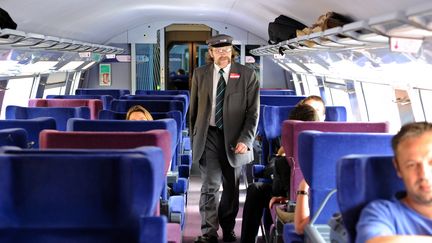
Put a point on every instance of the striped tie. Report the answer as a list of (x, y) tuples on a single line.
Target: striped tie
[(220, 91)]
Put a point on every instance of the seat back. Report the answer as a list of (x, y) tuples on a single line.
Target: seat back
[(163, 92), (291, 130), (76, 124), (277, 92), (106, 99), (78, 196), (151, 106), (60, 114), (318, 154), (370, 177), (273, 117), (336, 113), (13, 137), (32, 126), (94, 105), (181, 97), (108, 140), (176, 115), (280, 100), (115, 93)]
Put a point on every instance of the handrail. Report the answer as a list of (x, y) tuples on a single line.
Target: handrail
[(375, 32), (20, 39)]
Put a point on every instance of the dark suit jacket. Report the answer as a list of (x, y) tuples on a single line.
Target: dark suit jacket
[(240, 111)]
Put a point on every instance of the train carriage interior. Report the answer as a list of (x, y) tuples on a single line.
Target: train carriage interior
[(70, 70)]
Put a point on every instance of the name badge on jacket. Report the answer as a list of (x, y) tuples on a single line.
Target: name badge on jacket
[(234, 75)]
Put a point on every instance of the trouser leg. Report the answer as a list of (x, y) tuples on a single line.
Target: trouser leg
[(257, 199), (229, 204), (211, 175)]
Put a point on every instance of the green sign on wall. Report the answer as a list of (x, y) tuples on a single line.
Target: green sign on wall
[(104, 74)]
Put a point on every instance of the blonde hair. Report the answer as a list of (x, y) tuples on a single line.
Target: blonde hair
[(138, 108)]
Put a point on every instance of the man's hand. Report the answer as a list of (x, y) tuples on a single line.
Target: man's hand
[(240, 148), (274, 200)]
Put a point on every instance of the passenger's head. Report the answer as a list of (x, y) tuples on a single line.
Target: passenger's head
[(317, 103), (181, 72), (412, 147), (138, 113), (221, 51), (303, 112)]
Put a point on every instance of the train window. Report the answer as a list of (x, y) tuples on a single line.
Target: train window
[(312, 84), (75, 83), (18, 93), (58, 77), (71, 65), (426, 100), (252, 61), (380, 104), (37, 67)]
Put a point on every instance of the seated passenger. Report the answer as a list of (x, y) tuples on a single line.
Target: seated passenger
[(409, 217), (259, 194), (138, 113), (318, 104)]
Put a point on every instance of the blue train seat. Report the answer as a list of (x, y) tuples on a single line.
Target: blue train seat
[(13, 137), (292, 129), (280, 100), (318, 155), (183, 143), (115, 93), (277, 92), (370, 177), (32, 126), (272, 117), (151, 106), (118, 140), (180, 97), (64, 198), (162, 92), (60, 114), (76, 124)]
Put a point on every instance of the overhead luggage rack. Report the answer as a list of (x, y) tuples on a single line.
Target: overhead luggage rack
[(414, 23), (20, 39)]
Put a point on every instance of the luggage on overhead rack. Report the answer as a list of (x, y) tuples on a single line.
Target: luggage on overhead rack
[(6, 21), (283, 28)]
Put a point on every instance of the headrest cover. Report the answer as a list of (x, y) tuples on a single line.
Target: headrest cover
[(220, 40)]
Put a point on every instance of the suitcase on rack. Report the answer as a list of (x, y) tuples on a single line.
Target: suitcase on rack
[(283, 28)]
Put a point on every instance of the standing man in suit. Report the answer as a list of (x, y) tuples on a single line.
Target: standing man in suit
[(224, 115)]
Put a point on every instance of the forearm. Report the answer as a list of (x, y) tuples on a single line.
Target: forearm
[(401, 239), (301, 216)]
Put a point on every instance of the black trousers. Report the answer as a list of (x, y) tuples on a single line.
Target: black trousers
[(216, 170), (257, 200)]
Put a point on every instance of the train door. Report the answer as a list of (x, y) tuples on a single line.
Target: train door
[(186, 50)]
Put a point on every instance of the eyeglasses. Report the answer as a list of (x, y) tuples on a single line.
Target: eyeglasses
[(222, 49)]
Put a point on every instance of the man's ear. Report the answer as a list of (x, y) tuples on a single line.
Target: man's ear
[(397, 168)]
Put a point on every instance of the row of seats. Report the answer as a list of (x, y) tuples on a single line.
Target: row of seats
[(271, 118), (81, 195), (313, 151), (114, 139)]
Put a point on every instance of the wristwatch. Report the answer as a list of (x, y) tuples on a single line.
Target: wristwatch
[(301, 192)]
